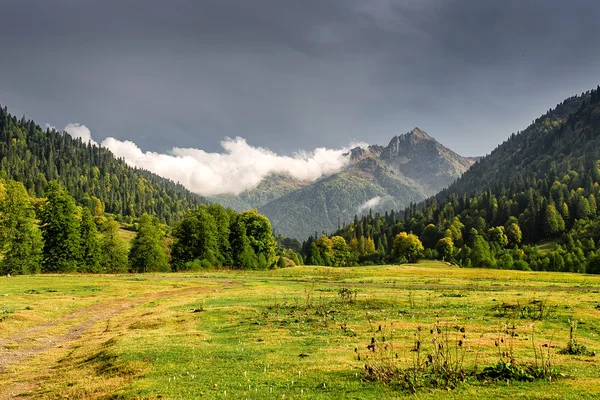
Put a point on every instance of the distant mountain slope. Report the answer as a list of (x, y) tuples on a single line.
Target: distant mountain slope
[(271, 188), (412, 167), (336, 199), (33, 156)]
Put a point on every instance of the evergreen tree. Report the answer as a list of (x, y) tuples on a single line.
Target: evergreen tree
[(90, 243), (20, 239), (60, 230), (314, 255), (553, 222), (147, 253)]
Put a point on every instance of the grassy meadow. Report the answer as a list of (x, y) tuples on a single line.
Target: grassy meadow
[(290, 333)]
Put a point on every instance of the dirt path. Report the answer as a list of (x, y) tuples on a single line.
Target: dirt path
[(89, 315)]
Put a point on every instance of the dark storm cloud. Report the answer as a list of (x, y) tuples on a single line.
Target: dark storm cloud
[(291, 74)]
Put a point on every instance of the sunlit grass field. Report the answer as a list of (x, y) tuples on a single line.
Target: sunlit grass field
[(289, 333)]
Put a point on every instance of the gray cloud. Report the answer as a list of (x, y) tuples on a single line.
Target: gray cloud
[(289, 75)]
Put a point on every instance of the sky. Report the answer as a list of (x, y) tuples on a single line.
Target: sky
[(290, 76)]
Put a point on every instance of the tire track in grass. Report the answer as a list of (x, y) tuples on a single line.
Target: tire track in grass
[(91, 315)]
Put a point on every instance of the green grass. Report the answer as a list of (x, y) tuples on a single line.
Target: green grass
[(547, 246), (234, 334)]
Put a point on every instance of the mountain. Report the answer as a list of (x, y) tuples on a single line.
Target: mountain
[(542, 185), (34, 157), (336, 199), (272, 187), (410, 168), (423, 159)]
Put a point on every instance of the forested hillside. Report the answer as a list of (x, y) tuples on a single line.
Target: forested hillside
[(326, 204), (34, 157), (540, 186)]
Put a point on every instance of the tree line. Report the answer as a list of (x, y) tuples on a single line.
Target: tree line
[(55, 235), (540, 187)]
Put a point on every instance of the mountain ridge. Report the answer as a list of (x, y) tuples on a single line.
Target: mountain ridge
[(412, 167)]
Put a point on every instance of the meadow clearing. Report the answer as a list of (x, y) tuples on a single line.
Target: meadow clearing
[(293, 333)]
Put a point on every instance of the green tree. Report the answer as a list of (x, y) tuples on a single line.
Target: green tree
[(325, 246), (222, 219), (593, 264), (497, 235), (408, 246), (445, 248), (513, 234), (553, 223), (90, 243), (430, 236), (481, 255), (195, 238), (456, 230), (280, 262), (60, 230), (314, 255), (260, 235), (147, 253), (242, 253), (341, 252), (20, 239), (113, 259)]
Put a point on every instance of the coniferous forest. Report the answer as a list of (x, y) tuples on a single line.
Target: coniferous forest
[(35, 157), (532, 204)]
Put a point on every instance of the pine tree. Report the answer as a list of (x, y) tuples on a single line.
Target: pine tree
[(90, 243), (60, 230), (147, 253)]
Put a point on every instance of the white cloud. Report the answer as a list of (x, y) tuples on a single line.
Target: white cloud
[(374, 202), (80, 131), (240, 167)]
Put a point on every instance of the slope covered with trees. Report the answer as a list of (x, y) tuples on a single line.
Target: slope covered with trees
[(35, 157), (66, 238), (541, 185)]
